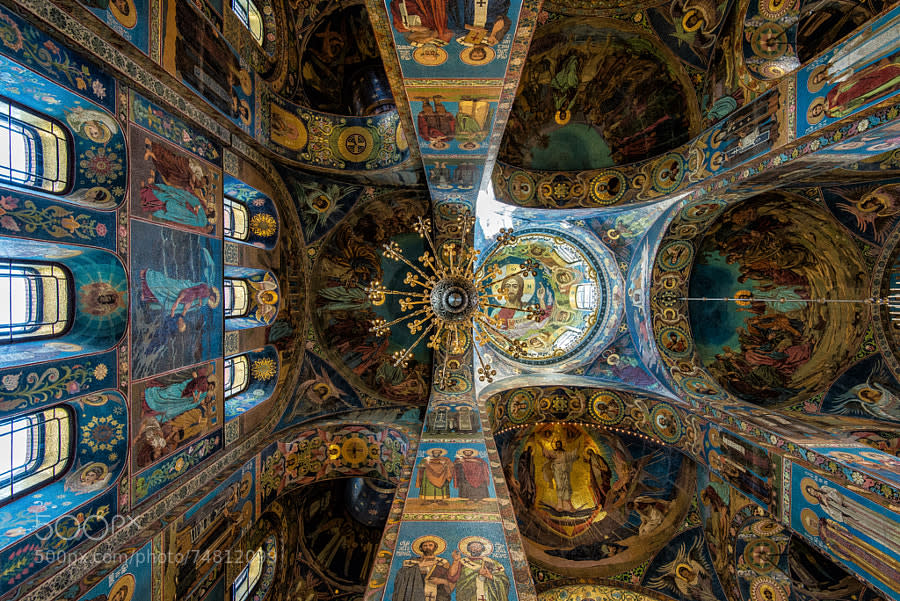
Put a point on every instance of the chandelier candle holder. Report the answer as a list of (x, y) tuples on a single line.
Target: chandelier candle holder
[(450, 297)]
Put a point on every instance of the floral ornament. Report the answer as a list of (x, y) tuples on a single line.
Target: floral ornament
[(101, 167), (100, 371), (263, 225), (53, 220), (263, 369), (10, 34), (39, 387), (11, 381), (103, 433)]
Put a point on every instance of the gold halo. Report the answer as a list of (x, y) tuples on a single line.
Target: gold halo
[(562, 116), (128, 21), (248, 478), (125, 582), (809, 482), (428, 451), (440, 545), (460, 452), (813, 119), (810, 521), (812, 85), (299, 140), (104, 470), (466, 56), (430, 55), (463, 545)]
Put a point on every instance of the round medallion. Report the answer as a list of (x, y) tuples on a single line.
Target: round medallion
[(430, 55), (355, 144), (607, 408), (521, 186), (666, 423), (607, 187), (453, 299)]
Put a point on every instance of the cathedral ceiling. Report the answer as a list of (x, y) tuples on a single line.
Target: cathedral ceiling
[(609, 475)]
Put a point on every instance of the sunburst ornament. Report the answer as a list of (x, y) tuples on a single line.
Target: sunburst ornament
[(450, 297), (263, 369), (263, 225)]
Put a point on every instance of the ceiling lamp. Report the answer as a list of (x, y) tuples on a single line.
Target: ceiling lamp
[(449, 298)]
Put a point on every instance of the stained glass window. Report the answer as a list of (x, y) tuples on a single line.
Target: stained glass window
[(248, 13), (237, 375), (34, 449), (237, 219), (34, 150), (249, 576), (34, 300), (237, 298)]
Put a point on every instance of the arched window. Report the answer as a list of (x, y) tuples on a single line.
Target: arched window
[(249, 577), (237, 297), (34, 449), (237, 219), (250, 16), (237, 375), (35, 300), (34, 150)]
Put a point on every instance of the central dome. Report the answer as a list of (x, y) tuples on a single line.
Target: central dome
[(573, 289)]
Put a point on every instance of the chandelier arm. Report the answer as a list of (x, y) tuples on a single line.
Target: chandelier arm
[(435, 340), (405, 260), (467, 271), (412, 280), (513, 344), (423, 231), (407, 353), (522, 269), (486, 372), (387, 325), (401, 293), (530, 310)]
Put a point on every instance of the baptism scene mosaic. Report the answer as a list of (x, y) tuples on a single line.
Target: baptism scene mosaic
[(464, 300)]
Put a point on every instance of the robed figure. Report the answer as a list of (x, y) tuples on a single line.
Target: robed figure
[(425, 578), (471, 475)]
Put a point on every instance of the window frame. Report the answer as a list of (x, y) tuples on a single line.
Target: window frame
[(243, 10), (229, 223), (228, 373), (245, 575), (65, 141), (229, 286), (57, 467), (67, 315)]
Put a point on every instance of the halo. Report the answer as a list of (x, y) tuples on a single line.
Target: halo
[(104, 470), (810, 521), (218, 297), (429, 55), (811, 84), (811, 118), (463, 545), (809, 482), (466, 56), (125, 582), (429, 452), (128, 21), (248, 477), (460, 452), (440, 545)]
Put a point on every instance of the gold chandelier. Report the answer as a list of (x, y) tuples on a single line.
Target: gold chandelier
[(450, 297)]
